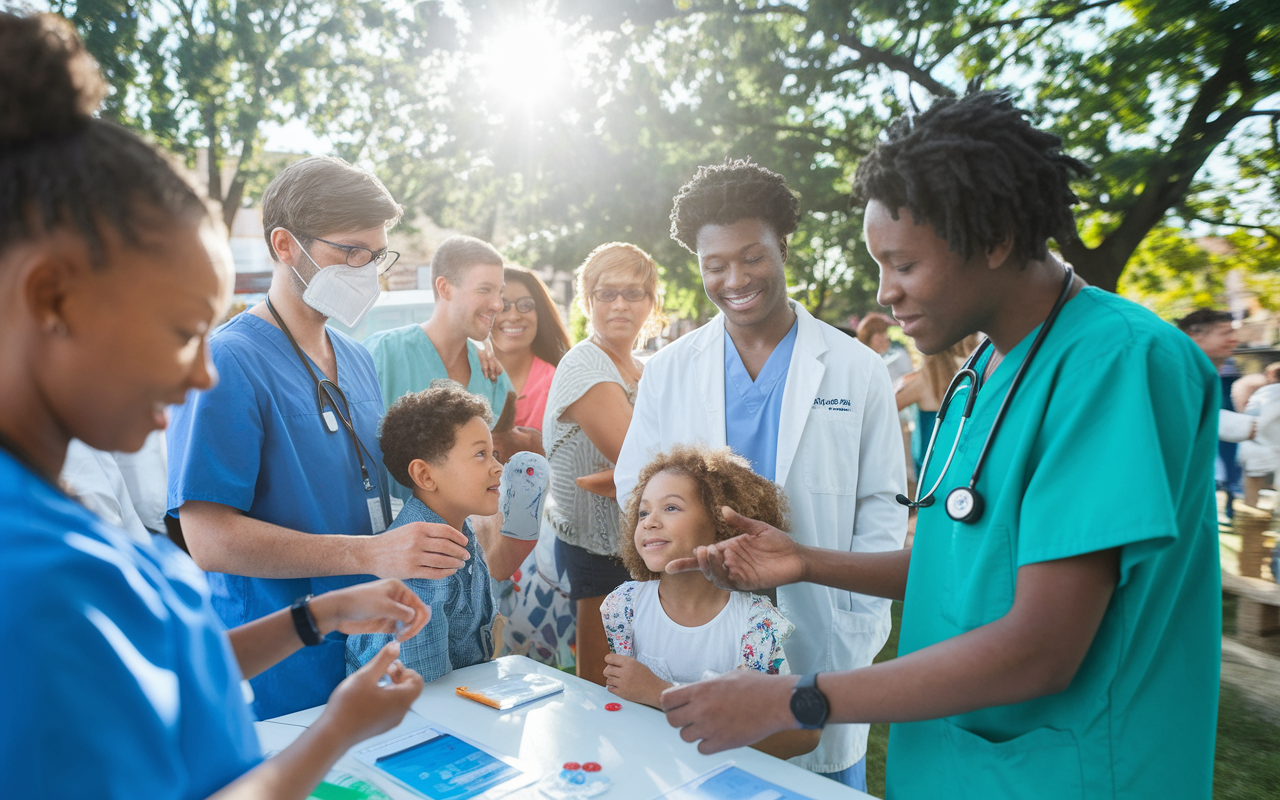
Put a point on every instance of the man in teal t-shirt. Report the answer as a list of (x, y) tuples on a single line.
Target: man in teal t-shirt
[(467, 277), (1061, 627)]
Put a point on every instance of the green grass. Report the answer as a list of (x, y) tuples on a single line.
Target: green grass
[(1246, 761), (878, 741)]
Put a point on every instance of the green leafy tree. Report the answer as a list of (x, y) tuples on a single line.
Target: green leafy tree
[(1146, 91), (210, 73)]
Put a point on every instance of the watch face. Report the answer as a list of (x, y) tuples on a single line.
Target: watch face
[(809, 707)]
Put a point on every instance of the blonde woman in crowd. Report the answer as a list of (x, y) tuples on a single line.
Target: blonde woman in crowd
[(588, 411)]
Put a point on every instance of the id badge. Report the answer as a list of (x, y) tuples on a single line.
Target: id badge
[(376, 520)]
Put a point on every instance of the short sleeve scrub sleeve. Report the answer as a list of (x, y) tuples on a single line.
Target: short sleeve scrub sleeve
[(406, 360), (256, 442), (121, 680), (1108, 444)]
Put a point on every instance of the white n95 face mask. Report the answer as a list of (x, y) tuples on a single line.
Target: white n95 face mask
[(339, 291)]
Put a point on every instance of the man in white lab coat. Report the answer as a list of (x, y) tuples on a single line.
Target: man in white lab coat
[(810, 407)]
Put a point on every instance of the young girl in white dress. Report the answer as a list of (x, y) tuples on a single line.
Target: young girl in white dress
[(666, 629)]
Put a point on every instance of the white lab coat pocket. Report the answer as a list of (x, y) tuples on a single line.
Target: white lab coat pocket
[(830, 447)]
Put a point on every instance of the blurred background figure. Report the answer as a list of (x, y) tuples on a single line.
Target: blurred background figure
[(529, 339), (1260, 456), (873, 331), (1214, 332)]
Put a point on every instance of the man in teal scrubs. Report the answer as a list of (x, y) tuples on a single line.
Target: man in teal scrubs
[(1065, 643), (467, 277)]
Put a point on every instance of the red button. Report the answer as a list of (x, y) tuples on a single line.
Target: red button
[(572, 765), (529, 471), (591, 766), (613, 706)]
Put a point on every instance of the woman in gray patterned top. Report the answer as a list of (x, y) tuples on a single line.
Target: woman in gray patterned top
[(588, 411)]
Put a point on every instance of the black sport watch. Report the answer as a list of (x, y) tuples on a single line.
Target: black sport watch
[(304, 623), (808, 704)]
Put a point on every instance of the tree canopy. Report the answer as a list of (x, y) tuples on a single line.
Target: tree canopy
[(551, 126)]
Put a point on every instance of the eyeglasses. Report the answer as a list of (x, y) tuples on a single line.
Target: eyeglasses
[(358, 256), (525, 305), (632, 295)]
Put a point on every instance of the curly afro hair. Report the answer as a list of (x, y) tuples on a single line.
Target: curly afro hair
[(425, 425), (976, 170), (725, 193), (723, 478)]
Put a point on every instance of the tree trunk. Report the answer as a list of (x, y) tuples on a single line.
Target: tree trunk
[(1169, 179)]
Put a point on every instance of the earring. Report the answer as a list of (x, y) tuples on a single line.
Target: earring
[(55, 326)]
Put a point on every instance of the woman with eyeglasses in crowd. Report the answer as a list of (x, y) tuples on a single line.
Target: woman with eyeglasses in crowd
[(529, 339), (588, 412)]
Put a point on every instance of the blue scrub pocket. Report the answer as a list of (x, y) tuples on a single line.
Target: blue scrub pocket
[(1043, 763), (980, 575)]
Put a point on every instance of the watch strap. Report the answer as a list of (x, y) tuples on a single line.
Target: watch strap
[(808, 704), (304, 623)]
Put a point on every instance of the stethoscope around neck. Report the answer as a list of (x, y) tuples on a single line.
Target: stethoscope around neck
[(335, 413), (964, 503)]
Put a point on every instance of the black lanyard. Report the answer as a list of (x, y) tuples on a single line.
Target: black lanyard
[(325, 390)]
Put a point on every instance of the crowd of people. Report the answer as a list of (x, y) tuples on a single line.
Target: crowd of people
[(717, 532)]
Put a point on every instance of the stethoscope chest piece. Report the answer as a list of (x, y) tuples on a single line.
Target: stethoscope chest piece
[(964, 504)]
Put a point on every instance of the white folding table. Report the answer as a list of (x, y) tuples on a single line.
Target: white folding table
[(637, 750)]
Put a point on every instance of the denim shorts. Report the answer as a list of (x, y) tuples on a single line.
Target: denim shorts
[(590, 575)]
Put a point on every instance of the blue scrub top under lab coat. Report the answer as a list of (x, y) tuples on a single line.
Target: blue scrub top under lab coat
[(753, 409), (256, 442), (120, 680)]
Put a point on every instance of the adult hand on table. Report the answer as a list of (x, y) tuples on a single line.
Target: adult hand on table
[(763, 557), (360, 707), (375, 607), (417, 550), (736, 709)]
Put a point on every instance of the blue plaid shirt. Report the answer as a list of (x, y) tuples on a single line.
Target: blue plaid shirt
[(460, 632)]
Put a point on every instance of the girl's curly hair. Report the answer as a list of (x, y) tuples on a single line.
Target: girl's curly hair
[(723, 478)]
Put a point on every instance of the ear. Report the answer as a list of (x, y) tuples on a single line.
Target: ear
[(421, 473), (444, 289), (48, 283), (284, 247), (999, 254), (782, 248)]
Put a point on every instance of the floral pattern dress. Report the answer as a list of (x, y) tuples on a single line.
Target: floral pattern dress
[(761, 644)]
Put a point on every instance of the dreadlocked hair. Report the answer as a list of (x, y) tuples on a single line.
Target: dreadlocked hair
[(59, 165), (979, 173), (724, 193)]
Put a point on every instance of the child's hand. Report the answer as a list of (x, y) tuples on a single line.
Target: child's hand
[(631, 680)]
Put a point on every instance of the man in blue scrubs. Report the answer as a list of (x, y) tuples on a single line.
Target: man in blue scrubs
[(810, 408), (275, 473)]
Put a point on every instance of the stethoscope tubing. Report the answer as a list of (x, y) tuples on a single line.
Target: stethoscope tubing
[(969, 372)]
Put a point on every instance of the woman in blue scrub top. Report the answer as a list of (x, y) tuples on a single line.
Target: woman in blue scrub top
[(120, 680), (1061, 618)]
